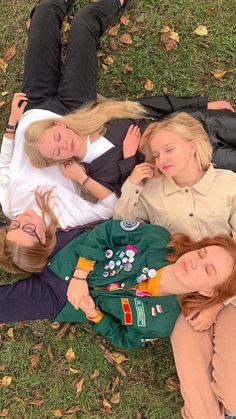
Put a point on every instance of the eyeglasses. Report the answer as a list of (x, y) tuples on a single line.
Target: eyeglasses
[(28, 228)]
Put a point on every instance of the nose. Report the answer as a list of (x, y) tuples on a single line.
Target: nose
[(194, 263), (162, 158)]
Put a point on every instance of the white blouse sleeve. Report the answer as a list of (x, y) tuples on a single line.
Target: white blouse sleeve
[(5, 160)]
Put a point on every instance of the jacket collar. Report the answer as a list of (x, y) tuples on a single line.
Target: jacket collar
[(202, 186)]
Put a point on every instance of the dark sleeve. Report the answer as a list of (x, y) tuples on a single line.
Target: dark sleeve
[(159, 106), (127, 165), (119, 335)]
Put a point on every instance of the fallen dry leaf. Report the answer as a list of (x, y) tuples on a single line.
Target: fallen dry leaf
[(165, 29), (115, 398), (148, 85), (19, 399), (4, 93), (27, 24), (4, 412), (38, 345), (118, 357), (95, 374), (126, 39), (108, 356), (34, 359), (120, 370), (70, 355), (9, 53), (55, 325), (141, 18), (74, 410), (49, 351), (2, 103), (128, 68), (106, 407), (201, 30), (36, 402), (124, 20), (3, 65), (6, 380), (218, 74), (73, 370), (79, 386), (115, 383), (108, 60), (112, 44), (169, 38), (62, 332), (57, 413), (66, 27), (10, 333), (116, 80), (114, 30), (172, 385)]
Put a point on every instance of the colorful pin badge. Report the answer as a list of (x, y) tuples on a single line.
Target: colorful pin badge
[(109, 253), (114, 286)]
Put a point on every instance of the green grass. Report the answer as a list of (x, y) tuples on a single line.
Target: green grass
[(184, 71)]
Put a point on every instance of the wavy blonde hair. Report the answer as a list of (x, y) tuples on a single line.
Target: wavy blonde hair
[(88, 120), (23, 259), (189, 129), (181, 244)]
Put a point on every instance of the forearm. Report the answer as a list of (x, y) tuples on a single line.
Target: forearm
[(96, 189)]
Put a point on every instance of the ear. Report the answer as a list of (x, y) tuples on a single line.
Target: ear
[(43, 238), (207, 293), (59, 124), (192, 147)]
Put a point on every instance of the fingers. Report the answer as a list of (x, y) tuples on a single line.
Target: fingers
[(193, 314)]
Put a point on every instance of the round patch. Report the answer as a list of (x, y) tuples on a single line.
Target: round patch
[(109, 253), (112, 273), (106, 266), (125, 260), (139, 280), (128, 267), (111, 264), (105, 274), (118, 263), (129, 225), (130, 253), (131, 260), (145, 270), (143, 277), (152, 273)]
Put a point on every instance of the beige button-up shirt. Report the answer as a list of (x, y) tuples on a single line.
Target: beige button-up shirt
[(206, 208)]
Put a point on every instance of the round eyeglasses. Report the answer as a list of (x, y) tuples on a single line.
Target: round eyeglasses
[(28, 228)]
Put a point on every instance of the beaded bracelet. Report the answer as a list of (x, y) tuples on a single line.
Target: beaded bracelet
[(78, 277)]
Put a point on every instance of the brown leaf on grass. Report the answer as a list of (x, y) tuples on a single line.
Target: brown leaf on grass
[(34, 359), (70, 355), (2, 103), (115, 383), (128, 68), (36, 402), (201, 31), (4, 413), (57, 413), (79, 386), (27, 24), (74, 410), (218, 74), (116, 80), (148, 85), (3, 65), (65, 26), (73, 370), (115, 398), (112, 44), (108, 60), (19, 399), (3, 82), (169, 38), (118, 357), (124, 20), (4, 93), (62, 332), (172, 384), (114, 30), (9, 53), (125, 38), (108, 356), (95, 374), (55, 325), (38, 345), (49, 351), (106, 408), (120, 370), (6, 380)]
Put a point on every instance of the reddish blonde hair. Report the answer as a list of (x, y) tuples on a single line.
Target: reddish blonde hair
[(181, 244)]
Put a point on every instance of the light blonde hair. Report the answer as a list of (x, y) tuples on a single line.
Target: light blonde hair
[(181, 244), (88, 120), (189, 129), (23, 259)]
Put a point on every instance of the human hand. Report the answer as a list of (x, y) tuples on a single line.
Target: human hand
[(204, 319), (78, 291), (89, 308), (141, 172), (74, 171), (220, 104), (131, 141), (18, 105)]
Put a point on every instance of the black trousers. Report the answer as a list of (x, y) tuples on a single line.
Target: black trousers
[(47, 85)]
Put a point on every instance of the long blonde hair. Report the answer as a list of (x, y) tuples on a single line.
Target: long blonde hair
[(181, 244), (89, 119), (189, 129), (22, 259)]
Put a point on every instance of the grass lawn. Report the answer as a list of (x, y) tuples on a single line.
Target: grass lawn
[(37, 380)]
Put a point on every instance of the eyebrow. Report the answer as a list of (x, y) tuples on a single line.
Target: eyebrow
[(213, 266)]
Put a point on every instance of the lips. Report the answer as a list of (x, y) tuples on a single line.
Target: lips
[(167, 167)]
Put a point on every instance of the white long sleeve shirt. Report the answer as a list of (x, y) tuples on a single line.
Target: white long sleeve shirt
[(19, 180)]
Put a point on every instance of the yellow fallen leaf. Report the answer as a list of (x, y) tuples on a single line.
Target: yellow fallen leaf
[(170, 39), (9, 53), (79, 386), (57, 413), (4, 412), (95, 374), (4, 93), (126, 39), (73, 370), (27, 24), (10, 333), (106, 407), (70, 355), (218, 74), (3, 65), (174, 36), (165, 29), (115, 398), (2, 103), (148, 85), (201, 30), (66, 27), (108, 60), (118, 357), (34, 359), (6, 380)]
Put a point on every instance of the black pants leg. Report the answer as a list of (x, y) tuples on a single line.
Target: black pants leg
[(80, 73), (42, 69)]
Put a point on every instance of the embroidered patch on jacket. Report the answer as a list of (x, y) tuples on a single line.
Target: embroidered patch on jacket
[(128, 317), (141, 317)]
